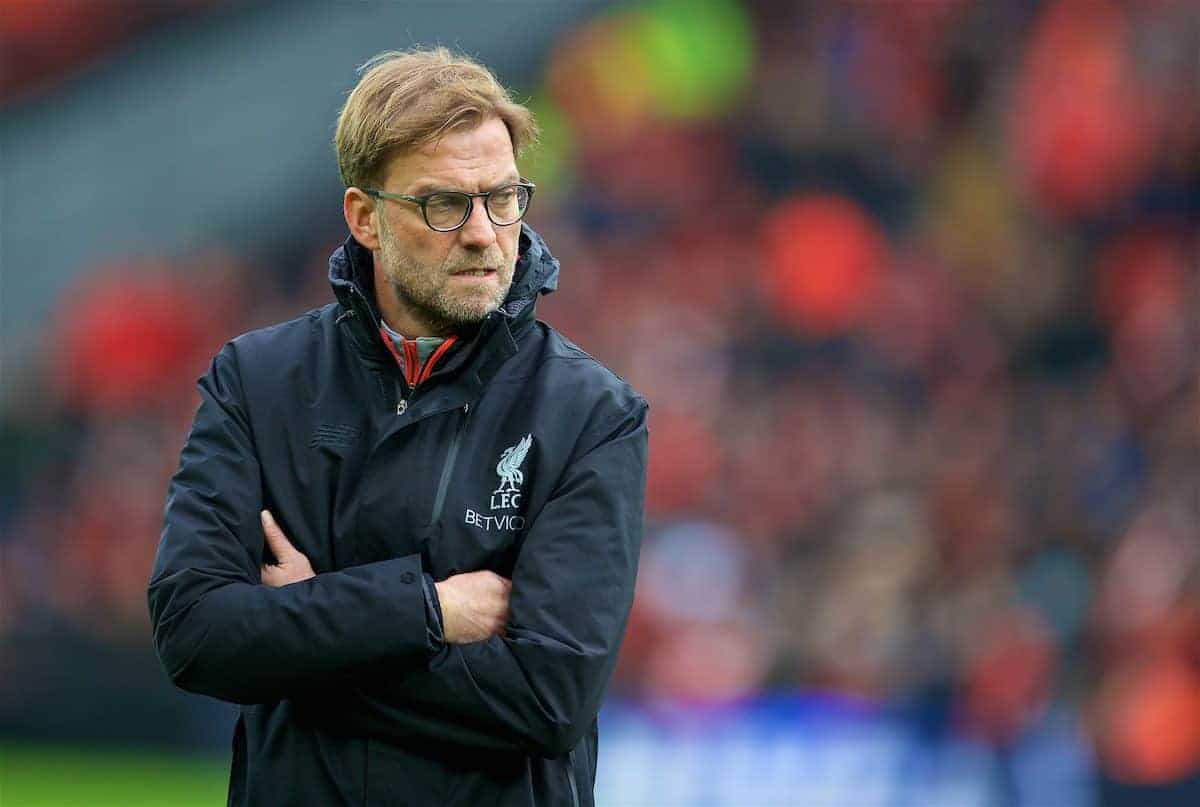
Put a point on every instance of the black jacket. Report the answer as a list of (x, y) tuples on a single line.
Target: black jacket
[(350, 696)]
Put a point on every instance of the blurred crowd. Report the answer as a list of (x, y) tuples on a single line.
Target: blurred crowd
[(912, 289), (45, 42)]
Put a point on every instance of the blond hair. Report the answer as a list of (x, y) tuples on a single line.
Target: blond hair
[(408, 99)]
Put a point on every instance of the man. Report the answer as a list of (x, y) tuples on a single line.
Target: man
[(405, 527)]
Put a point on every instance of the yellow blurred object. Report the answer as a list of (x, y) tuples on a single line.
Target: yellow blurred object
[(599, 79)]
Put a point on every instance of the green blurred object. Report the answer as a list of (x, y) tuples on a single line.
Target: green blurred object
[(549, 161), (48, 776), (699, 56)]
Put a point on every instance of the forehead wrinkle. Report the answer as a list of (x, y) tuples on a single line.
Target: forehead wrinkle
[(425, 186), (482, 156)]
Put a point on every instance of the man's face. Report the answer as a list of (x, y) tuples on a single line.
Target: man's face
[(436, 277)]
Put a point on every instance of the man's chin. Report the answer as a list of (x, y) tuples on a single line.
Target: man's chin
[(465, 317), (475, 307)]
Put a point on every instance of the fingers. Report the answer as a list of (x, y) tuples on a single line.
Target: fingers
[(495, 580), (271, 576), (280, 546), (475, 606)]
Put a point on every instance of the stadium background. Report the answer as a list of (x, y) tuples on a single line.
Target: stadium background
[(911, 287)]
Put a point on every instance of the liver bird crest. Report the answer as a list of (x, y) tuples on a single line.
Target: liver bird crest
[(509, 466)]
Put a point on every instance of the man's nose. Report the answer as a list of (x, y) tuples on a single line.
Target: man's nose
[(478, 232)]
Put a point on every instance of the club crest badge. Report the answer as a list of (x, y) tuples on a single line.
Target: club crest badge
[(507, 496)]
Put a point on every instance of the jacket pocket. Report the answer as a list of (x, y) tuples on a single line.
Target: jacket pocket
[(439, 498)]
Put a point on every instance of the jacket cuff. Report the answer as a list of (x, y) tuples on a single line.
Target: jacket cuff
[(433, 613)]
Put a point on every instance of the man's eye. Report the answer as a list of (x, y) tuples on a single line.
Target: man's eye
[(443, 204)]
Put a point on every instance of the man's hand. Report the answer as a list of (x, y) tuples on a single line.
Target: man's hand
[(291, 565), (474, 606)]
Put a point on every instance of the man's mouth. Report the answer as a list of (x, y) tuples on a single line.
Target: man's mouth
[(475, 273)]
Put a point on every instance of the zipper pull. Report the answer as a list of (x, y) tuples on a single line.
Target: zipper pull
[(466, 409), (401, 401)]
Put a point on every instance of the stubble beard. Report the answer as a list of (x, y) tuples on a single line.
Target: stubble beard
[(428, 295)]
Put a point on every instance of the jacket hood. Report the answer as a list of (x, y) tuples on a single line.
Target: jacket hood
[(351, 274)]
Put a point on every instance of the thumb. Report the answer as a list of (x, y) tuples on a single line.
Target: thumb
[(280, 546)]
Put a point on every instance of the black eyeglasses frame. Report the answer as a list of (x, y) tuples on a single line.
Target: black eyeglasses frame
[(423, 200)]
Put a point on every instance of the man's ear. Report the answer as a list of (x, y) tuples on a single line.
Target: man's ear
[(359, 210)]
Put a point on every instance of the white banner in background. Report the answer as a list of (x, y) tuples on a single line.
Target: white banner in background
[(815, 752)]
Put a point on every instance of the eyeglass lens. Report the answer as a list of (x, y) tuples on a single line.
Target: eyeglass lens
[(446, 211)]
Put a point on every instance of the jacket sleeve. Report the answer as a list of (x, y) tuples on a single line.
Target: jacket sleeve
[(538, 688), (217, 630)]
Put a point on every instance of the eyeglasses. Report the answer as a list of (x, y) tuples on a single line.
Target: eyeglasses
[(446, 211)]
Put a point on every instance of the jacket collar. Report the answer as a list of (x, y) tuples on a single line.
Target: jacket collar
[(351, 274)]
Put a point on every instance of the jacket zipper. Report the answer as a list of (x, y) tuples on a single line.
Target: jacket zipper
[(448, 469)]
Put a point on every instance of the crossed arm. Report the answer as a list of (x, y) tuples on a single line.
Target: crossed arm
[(474, 605), (520, 666), (536, 685)]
